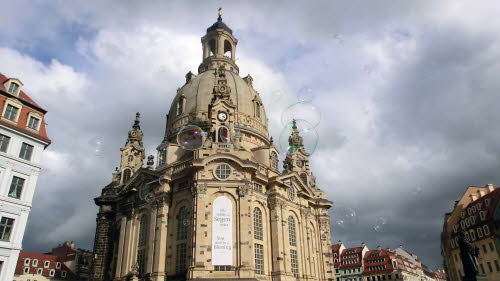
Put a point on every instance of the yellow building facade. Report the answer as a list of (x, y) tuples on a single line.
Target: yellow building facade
[(216, 204)]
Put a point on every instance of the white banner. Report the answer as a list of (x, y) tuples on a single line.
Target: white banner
[(222, 231)]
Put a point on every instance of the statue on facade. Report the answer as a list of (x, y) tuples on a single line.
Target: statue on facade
[(468, 254)]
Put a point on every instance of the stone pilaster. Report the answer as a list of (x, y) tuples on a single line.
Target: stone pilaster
[(103, 247)]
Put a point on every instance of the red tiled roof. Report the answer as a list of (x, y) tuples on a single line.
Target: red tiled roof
[(335, 248), (378, 255), (41, 261), (28, 106), (345, 257)]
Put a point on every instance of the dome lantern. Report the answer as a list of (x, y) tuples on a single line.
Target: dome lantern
[(219, 47)]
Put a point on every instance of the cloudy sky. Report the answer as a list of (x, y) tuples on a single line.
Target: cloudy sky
[(406, 93)]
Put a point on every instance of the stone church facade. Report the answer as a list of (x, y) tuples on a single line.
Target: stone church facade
[(217, 206)]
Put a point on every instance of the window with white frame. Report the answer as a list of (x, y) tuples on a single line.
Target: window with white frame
[(26, 151), (58, 265), (16, 187), (259, 258), (294, 262), (39, 271), (11, 112), (4, 143), (27, 262), (26, 270), (46, 264), (52, 272), (292, 235), (257, 224), (6, 228), (13, 88), (63, 274), (34, 123), (480, 232), (35, 262)]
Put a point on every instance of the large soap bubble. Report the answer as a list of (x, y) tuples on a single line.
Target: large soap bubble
[(306, 132), (190, 137), (344, 217), (302, 111)]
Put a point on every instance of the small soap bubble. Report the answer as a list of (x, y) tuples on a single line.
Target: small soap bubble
[(277, 95), (339, 38), (149, 197), (305, 94), (97, 147), (344, 217), (186, 222), (302, 111), (190, 137), (418, 191), (307, 135), (380, 224)]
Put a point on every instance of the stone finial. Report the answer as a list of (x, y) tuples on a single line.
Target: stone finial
[(249, 80), (189, 77), (151, 161)]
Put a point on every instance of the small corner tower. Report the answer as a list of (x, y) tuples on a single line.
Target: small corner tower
[(219, 47), (133, 152)]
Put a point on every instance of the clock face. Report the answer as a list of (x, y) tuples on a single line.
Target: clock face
[(222, 116), (300, 163)]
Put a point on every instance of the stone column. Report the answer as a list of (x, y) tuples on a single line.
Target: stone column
[(160, 244), (305, 251), (127, 245), (201, 219), (121, 242)]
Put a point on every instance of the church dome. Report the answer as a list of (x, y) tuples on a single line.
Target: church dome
[(193, 103)]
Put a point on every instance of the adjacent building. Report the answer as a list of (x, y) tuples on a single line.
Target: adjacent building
[(477, 214), (351, 264), (22, 141), (41, 267), (77, 260), (217, 204), (362, 264)]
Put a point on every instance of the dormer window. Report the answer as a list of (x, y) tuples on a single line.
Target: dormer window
[(13, 86), (34, 123), (11, 112)]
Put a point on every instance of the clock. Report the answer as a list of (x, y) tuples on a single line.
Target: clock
[(222, 116), (300, 163)]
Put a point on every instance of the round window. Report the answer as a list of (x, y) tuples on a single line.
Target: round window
[(223, 171)]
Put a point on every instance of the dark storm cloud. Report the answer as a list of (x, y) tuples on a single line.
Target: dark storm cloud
[(407, 93)]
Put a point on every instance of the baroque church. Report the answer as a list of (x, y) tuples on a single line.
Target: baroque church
[(216, 205)]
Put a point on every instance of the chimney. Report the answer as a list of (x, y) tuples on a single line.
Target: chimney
[(473, 197), (490, 187), (401, 246), (481, 193)]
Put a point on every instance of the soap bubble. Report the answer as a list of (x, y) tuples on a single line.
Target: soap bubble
[(190, 137), (277, 95), (302, 111), (305, 94), (339, 38), (308, 134), (380, 224), (417, 191), (344, 217), (97, 146), (149, 197)]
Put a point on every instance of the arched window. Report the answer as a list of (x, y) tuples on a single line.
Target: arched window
[(274, 160), (182, 223), (130, 158), (142, 246), (257, 109), (257, 224), (223, 135), (292, 231), (126, 175), (211, 47), (228, 49), (180, 106)]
